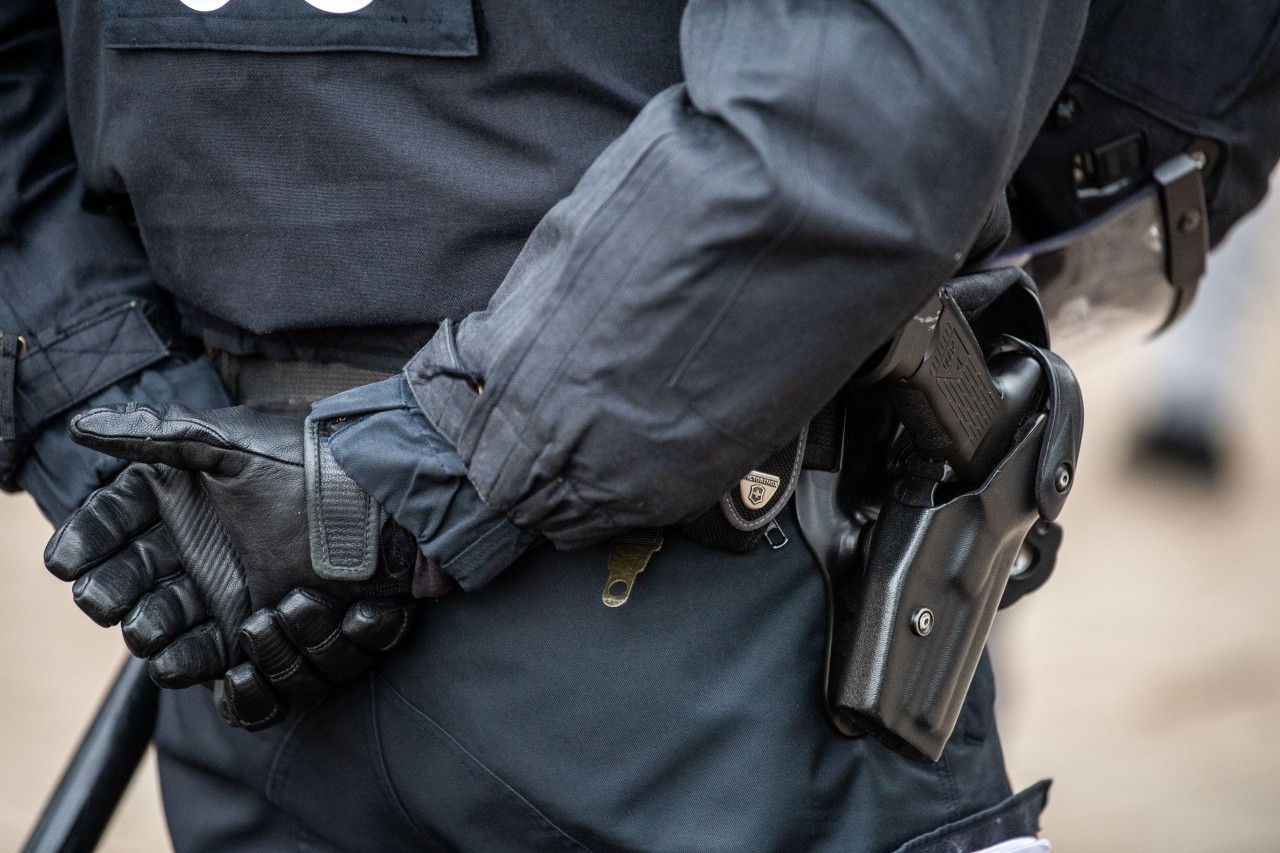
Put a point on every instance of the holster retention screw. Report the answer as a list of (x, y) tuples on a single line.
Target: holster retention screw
[(922, 622)]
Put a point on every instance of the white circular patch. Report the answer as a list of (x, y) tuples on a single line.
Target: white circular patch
[(205, 5), (338, 7)]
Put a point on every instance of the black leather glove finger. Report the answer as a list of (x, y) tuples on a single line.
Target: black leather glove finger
[(151, 534), (278, 661), (163, 614), (379, 624), (107, 522), (246, 701), (250, 499), (197, 655), (108, 591), (233, 489), (235, 499), (313, 641), (313, 623), (186, 438), (301, 649)]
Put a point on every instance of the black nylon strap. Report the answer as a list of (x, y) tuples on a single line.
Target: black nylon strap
[(714, 530), (820, 447), (824, 448), (649, 537), (8, 379), (288, 387)]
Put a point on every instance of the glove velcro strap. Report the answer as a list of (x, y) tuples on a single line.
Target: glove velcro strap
[(344, 521)]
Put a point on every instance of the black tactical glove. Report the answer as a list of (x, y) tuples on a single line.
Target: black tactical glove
[(301, 648), (222, 516)]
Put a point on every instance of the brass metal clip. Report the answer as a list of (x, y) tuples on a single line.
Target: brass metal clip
[(628, 556)]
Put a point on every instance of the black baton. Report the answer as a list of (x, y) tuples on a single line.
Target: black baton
[(96, 778)]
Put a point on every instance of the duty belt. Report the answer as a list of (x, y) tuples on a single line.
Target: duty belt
[(287, 387)]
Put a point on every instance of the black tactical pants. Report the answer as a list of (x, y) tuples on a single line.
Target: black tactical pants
[(529, 716)]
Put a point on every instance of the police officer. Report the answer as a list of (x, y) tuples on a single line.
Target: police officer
[(583, 265)]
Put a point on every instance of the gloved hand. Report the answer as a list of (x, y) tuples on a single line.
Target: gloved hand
[(210, 525), (301, 648)]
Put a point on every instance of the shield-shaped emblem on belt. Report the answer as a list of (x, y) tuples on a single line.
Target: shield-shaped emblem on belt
[(757, 489)]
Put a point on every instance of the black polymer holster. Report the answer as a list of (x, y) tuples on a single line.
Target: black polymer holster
[(960, 447)]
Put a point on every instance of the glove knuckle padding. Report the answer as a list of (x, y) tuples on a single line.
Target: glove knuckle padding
[(110, 590), (192, 657), (313, 622), (244, 699), (163, 614), (377, 625), (108, 520), (309, 616), (278, 660), (267, 646)]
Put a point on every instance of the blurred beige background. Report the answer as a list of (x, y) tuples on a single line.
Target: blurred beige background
[(55, 666), (1145, 678)]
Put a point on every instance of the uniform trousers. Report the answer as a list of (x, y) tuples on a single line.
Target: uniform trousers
[(529, 716)]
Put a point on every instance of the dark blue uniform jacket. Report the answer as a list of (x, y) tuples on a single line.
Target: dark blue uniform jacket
[(694, 220)]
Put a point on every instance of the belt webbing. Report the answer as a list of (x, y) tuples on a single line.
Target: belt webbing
[(288, 387)]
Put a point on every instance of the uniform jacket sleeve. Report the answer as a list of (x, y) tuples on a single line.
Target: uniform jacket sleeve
[(729, 261), (79, 313)]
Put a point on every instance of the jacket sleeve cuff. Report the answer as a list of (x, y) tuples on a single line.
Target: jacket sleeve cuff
[(513, 467), (59, 474), (43, 374), (392, 451)]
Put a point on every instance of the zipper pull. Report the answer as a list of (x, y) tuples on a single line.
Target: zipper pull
[(628, 555)]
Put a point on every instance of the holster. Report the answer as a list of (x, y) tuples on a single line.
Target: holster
[(917, 567)]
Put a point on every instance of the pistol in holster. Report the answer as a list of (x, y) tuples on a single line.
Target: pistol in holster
[(961, 442)]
